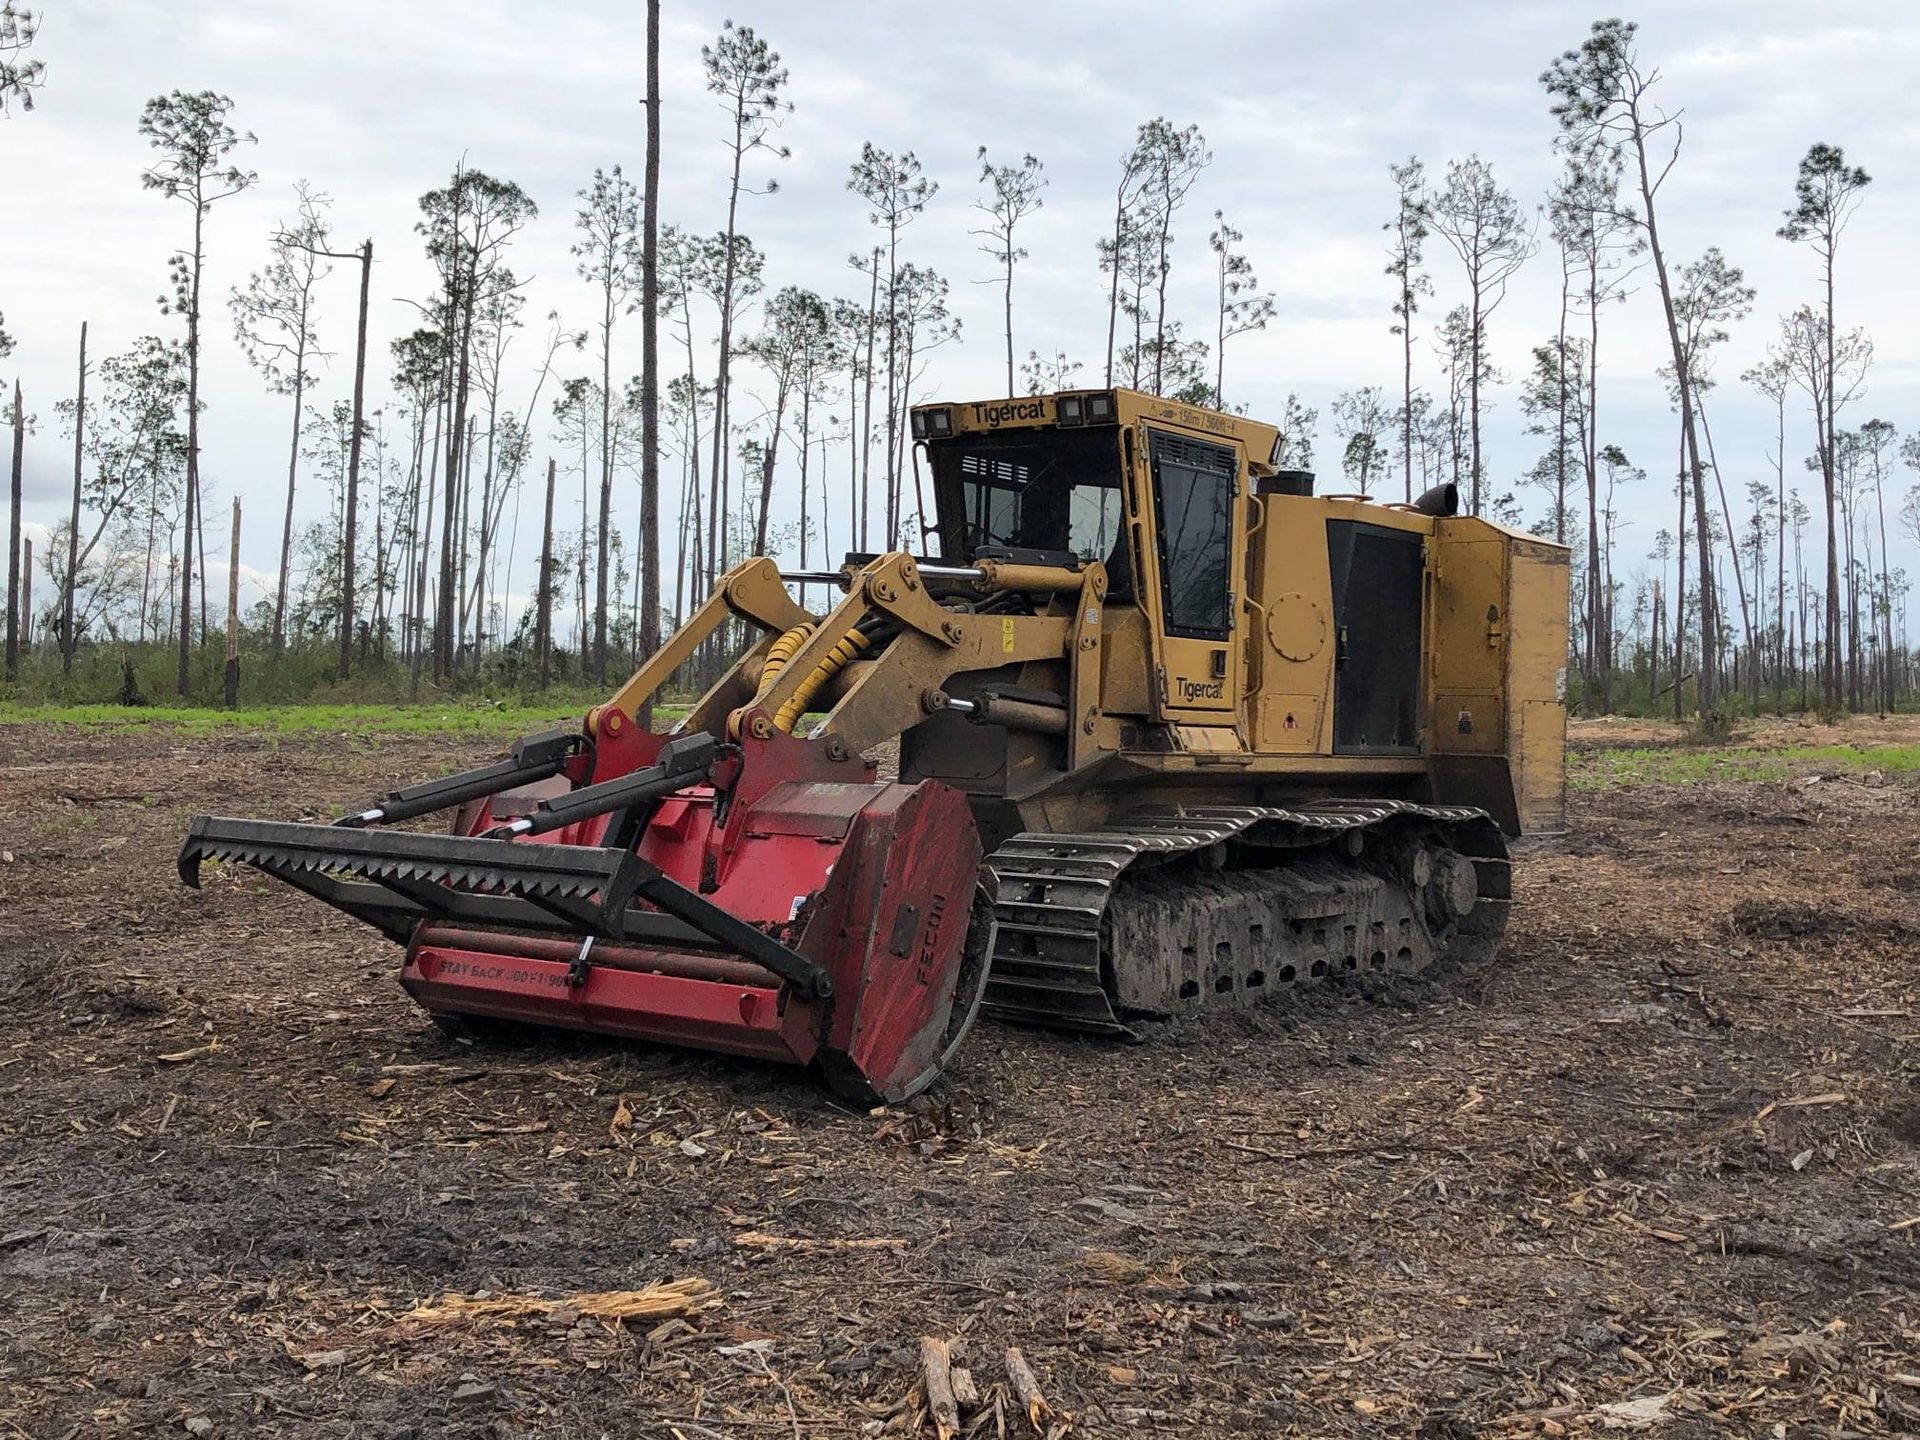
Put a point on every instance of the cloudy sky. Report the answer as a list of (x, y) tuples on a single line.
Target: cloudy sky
[(1304, 103)]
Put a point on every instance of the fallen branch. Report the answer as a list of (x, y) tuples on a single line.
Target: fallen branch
[(759, 1240), (936, 1375), (655, 1302), (1801, 1102), (1026, 1389)]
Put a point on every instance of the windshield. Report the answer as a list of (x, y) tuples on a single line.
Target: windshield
[(1044, 490)]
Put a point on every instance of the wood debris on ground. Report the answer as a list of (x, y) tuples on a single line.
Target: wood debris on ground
[(1650, 1171)]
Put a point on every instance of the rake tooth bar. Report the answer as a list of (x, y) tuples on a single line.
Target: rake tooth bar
[(490, 866)]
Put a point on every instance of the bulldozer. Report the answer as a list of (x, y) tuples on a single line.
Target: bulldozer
[(1164, 730)]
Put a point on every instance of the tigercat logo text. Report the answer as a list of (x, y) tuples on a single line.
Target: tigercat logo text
[(1191, 690), (994, 416)]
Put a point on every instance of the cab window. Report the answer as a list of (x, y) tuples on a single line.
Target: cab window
[(1047, 490), (1194, 483)]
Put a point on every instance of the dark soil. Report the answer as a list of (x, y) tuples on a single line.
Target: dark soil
[(1651, 1164)]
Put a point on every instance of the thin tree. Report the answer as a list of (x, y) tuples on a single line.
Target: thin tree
[(467, 225), (746, 73), (729, 274), (1409, 230), (650, 364), (67, 637), (1772, 379), (1830, 370), (1825, 195), (1013, 193), (1603, 100), (1240, 305), (14, 537), (315, 246), (1180, 156), (1360, 420), (1128, 233), (1493, 238), (896, 191), (1584, 207), (1710, 295), (608, 252), (273, 318), (797, 321), (194, 140)]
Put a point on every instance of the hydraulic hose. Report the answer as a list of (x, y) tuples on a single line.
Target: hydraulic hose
[(850, 647), (779, 653)]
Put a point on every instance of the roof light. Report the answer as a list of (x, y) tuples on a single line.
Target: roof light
[(1071, 411), (919, 424), (1100, 407), (940, 422)]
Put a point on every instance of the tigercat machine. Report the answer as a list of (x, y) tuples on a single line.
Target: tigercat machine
[(1173, 732)]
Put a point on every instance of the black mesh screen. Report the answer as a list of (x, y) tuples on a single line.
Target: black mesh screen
[(1377, 594)]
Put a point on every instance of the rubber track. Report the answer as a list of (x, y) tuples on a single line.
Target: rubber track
[(1053, 890)]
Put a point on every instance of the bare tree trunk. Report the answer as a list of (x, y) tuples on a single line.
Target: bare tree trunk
[(232, 677), (1726, 514), (581, 618), (13, 538), (1683, 382), (68, 641), (1886, 596), (426, 548), (649, 558), (1473, 394), (1679, 627), (1603, 655), (193, 458), (1113, 289), (1780, 556), (601, 545), (447, 602), (1828, 458), (893, 380), (1011, 391), (543, 599), (353, 467), (866, 405), (286, 526)]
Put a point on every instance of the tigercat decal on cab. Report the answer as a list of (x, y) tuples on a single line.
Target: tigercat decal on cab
[(995, 415), (1191, 690)]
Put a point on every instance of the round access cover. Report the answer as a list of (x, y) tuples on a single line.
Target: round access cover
[(1296, 626)]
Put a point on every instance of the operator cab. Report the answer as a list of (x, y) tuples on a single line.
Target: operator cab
[(1147, 487)]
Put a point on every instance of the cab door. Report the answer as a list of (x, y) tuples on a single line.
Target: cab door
[(1187, 535)]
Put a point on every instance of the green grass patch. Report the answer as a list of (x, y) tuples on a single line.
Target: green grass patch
[(1690, 765), (445, 718)]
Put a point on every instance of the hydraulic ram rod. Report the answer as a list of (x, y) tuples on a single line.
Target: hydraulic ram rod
[(537, 757), (682, 762)]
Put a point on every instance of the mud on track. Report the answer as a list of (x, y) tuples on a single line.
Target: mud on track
[(1655, 1156)]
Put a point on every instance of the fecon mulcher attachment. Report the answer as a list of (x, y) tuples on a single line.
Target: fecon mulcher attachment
[(1173, 732)]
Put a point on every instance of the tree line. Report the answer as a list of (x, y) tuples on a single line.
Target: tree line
[(410, 568)]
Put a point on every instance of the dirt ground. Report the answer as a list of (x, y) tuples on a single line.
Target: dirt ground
[(1655, 1166)]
